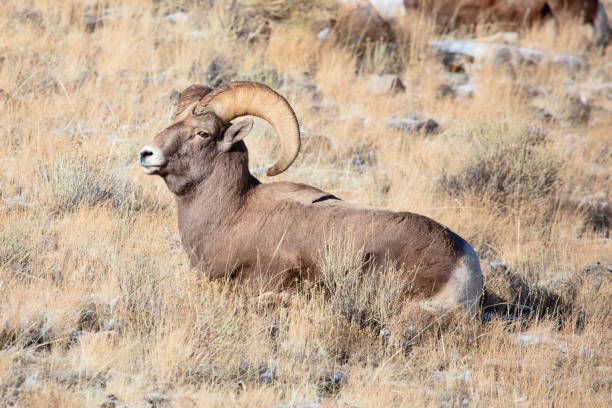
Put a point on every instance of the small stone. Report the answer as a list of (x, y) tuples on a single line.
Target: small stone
[(173, 97), (521, 399), (578, 109), (219, 71), (91, 23), (156, 399), (429, 126), (322, 35), (543, 114), (466, 90), (330, 383), (267, 373), (177, 17), (383, 84), (445, 91), (500, 266), (411, 126), (28, 14)]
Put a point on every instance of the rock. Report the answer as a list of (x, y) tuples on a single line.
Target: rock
[(98, 314), (177, 17), (111, 402), (597, 215), (219, 71), (198, 34), (322, 35), (330, 383), (67, 378), (26, 14), (92, 22), (173, 97), (454, 62), (489, 52), (466, 90), (362, 154), (93, 16), (18, 201), (267, 374), (322, 28), (156, 399), (383, 84), (597, 268), (82, 77), (299, 404), (528, 339), (361, 25), (597, 272), (428, 126), (203, 372), (537, 134), (497, 267), (521, 399), (578, 109), (543, 114), (30, 381), (445, 91)]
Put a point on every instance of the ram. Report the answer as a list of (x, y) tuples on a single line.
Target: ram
[(271, 235)]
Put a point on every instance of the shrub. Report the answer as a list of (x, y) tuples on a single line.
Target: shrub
[(75, 180), (18, 248), (360, 290), (506, 169)]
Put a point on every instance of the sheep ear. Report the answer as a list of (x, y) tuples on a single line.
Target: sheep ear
[(235, 133)]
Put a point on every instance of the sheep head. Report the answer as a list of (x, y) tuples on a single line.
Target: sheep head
[(184, 153)]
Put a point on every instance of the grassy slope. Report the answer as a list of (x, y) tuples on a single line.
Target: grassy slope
[(98, 303)]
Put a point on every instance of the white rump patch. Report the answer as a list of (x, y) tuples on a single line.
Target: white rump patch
[(463, 289)]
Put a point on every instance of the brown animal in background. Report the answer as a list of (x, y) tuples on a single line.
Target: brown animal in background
[(512, 14), (271, 235)]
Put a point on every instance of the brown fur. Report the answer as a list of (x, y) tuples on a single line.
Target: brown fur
[(511, 14), (272, 235)]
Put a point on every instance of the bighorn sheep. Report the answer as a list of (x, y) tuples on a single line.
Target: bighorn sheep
[(514, 13), (272, 234)]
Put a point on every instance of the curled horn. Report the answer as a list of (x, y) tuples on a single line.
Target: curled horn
[(251, 98)]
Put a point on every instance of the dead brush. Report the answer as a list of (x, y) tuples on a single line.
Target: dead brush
[(22, 247), (517, 293), (363, 292), (506, 166), (75, 180)]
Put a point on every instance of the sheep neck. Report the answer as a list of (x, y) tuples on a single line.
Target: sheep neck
[(222, 193)]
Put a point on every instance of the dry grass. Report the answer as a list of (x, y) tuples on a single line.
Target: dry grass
[(98, 304)]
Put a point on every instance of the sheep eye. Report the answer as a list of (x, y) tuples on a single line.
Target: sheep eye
[(203, 134)]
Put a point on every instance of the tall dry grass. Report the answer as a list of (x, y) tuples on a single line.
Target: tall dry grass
[(98, 304)]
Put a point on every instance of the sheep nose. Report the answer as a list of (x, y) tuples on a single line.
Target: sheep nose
[(144, 153)]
